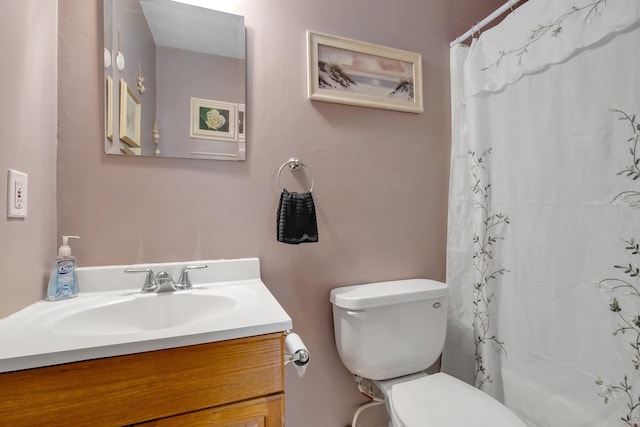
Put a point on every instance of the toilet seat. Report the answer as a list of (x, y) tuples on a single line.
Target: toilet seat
[(440, 400)]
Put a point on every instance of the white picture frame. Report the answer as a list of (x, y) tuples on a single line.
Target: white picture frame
[(353, 72), (242, 122), (215, 120), (130, 116)]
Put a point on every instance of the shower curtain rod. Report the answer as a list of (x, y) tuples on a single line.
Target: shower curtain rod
[(480, 25)]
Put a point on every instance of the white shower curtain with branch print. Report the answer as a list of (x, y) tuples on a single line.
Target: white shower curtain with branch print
[(543, 259)]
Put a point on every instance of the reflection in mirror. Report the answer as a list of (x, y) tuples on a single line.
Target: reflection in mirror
[(174, 80)]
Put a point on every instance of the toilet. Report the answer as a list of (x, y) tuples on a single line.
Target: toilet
[(388, 334)]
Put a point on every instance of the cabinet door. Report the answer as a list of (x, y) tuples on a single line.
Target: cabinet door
[(144, 386), (262, 412)]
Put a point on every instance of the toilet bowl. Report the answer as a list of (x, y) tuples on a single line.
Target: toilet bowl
[(390, 332)]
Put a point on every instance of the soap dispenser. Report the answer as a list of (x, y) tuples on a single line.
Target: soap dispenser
[(62, 282)]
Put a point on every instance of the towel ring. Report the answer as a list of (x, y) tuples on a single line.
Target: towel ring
[(294, 164)]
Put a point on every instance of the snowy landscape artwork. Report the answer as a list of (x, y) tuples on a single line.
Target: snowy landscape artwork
[(357, 73)]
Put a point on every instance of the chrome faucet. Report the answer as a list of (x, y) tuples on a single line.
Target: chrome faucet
[(183, 281), (163, 282)]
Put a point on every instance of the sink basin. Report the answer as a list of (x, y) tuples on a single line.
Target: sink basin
[(112, 317), (144, 312)]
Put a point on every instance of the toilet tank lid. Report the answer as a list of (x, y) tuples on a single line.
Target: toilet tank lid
[(381, 294)]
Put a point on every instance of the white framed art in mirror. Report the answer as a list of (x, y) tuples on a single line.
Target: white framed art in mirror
[(130, 114)]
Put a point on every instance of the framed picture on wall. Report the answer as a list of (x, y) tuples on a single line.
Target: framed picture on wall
[(352, 72), (130, 116), (241, 122), (213, 120), (109, 108)]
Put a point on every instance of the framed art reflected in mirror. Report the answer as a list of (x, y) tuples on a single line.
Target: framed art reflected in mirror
[(130, 114)]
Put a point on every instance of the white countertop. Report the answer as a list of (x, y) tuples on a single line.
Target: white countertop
[(28, 340)]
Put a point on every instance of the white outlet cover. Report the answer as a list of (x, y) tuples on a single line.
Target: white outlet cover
[(17, 190)]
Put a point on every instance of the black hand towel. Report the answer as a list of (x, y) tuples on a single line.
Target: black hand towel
[(297, 218)]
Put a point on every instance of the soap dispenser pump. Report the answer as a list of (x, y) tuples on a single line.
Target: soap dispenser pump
[(63, 283)]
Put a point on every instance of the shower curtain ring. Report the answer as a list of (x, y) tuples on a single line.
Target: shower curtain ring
[(475, 30)]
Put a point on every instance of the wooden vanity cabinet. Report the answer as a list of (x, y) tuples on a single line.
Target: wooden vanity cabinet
[(234, 383), (262, 412)]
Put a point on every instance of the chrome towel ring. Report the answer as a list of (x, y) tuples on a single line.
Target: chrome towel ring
[(294, 165)]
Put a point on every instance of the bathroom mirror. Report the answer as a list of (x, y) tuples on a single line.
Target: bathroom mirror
[(174, 80)]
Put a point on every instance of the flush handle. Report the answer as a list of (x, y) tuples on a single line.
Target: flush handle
[(361, 315), (436, 305)]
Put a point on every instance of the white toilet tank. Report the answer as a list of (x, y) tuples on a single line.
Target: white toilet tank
[(389, 329)]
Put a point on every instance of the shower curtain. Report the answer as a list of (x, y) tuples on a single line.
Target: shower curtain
[(543, 256)]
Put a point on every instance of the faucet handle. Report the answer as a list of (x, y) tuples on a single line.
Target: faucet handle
[(183, 281), (150, 284)]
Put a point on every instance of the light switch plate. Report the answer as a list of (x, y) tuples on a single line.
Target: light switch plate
[(17, 189)]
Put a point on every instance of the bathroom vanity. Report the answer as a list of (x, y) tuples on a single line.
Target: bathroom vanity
[(232, 383), (116, 356)]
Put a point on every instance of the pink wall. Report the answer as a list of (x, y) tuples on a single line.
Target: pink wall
[(381, 176), (28, 113)]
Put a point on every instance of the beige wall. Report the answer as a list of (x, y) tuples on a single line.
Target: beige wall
[(28, 84), (380, 176)]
